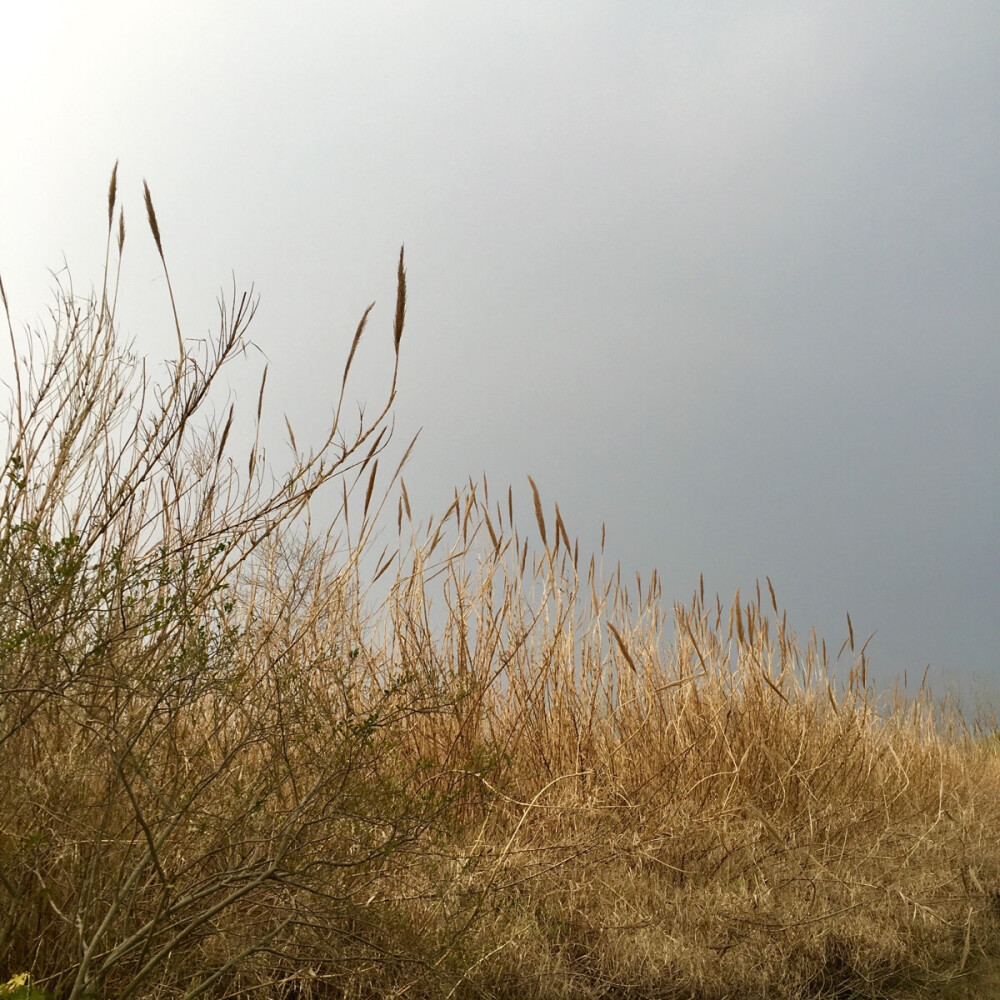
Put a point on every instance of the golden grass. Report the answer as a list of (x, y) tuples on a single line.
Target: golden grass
[(228, 770)]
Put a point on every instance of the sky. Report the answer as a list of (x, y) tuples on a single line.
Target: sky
[(722, 276)]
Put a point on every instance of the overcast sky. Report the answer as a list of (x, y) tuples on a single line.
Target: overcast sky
[(725, 276)]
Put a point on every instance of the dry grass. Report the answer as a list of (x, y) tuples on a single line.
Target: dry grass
[(225, 773)]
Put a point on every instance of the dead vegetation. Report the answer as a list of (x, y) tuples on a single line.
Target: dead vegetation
[(224, 773)]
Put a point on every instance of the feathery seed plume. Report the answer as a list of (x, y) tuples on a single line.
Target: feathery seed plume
[(152, 218), (397, 332), (112, 193)]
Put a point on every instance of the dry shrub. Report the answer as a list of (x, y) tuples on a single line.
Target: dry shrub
[(226, 773)]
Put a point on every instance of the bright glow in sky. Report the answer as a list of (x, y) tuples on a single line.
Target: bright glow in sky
[(723, 276)]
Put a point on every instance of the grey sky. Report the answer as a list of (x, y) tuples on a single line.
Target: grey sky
[(721, 275)]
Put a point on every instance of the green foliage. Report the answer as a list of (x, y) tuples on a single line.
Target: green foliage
[(20, 987)]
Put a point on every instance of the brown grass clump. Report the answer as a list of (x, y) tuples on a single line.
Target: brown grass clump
[(228, 771)]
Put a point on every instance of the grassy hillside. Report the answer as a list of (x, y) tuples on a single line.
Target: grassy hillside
[(228, 769)]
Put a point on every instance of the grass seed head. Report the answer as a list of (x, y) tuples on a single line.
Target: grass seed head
[(112, 193), (151, 213), (397, 332)]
